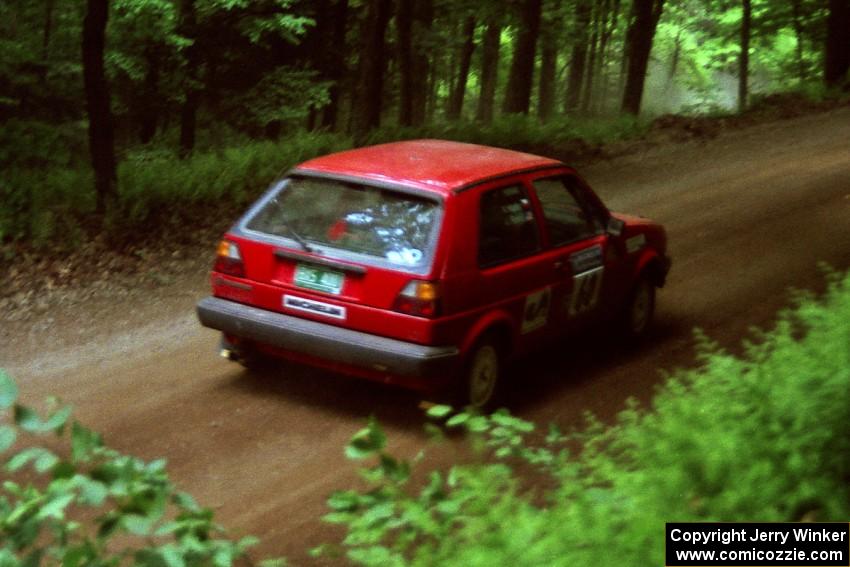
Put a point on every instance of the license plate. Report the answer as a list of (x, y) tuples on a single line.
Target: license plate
[(319, 279)]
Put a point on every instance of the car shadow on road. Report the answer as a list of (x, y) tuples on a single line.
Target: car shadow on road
[(332, 393), (594, 373), (571, 377)]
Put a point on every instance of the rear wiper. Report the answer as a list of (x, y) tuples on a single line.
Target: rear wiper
[(298, 238)]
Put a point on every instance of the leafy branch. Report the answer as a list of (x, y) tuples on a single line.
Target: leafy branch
[(92, 505)]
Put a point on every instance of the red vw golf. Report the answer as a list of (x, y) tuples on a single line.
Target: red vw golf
[(429, 264)]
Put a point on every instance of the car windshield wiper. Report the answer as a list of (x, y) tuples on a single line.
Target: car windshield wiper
[(298, 238)]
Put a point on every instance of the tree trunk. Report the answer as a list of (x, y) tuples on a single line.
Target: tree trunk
[(150, 96), (489, 70), (645, 16), (674, 60), (318, 42), (518, 91), (423, 20), (837, 56), (744, 61), (797, 11), (404, 31), (336, 64), (608, 27), (578, 59), (101, 129), (587, 97), (372, 67), (49, 7), (548, 69), (455, 107), (188, 114)]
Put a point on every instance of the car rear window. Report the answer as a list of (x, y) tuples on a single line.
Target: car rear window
[(373, 225)]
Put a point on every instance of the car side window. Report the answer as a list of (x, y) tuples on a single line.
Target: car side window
[(567, 216), (508, 228)]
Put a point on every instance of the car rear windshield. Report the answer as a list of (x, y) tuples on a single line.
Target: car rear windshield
[(373, 225)]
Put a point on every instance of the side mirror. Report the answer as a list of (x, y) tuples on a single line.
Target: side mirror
[(615, 226)]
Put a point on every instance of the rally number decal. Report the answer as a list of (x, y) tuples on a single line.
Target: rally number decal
[(536, 311), (586, 287)]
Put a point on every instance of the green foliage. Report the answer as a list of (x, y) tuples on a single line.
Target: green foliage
[(151, 182), (523, 132), (47, 206), (88, 504), (762, 437)]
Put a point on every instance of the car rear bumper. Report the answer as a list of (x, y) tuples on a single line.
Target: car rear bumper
[(328, 343)]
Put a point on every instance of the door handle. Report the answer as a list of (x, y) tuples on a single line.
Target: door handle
[(559, 265)]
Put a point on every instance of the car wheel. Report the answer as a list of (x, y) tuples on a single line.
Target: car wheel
[(483, 379), (640, 309)]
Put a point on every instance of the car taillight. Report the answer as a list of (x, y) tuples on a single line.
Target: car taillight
[(228, 260), (419, 298)]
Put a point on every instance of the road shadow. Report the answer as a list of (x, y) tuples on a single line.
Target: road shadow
[(331, 392), (575, 369), (555, 372)]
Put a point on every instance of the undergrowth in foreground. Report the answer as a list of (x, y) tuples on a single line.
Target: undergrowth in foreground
[(763, 437), (84, 504)]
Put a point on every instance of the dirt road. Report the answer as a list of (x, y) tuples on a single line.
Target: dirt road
[(749, 214)]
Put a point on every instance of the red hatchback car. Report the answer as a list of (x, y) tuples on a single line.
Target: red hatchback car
[(429, 264)]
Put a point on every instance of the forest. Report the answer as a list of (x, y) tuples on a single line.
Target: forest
[(114, 111)]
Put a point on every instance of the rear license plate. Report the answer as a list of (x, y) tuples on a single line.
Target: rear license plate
[(319, 279)]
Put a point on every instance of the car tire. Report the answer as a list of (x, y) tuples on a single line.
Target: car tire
[(639, 311), (483, 377)]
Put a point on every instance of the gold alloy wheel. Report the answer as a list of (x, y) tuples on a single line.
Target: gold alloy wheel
[(483, 375)]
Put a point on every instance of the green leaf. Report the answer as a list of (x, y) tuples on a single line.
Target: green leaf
[(439, 411), (396, 470), (366, 442), (223, 557), (457, 419), (27, 419), (57, 421), (185, 501), (172, 556), (55, 508), (8, 390), (347, 500), (136, 524), (8, 435), (93, 492), (83, 442), (42, 458), (45, 461), (478, 424)]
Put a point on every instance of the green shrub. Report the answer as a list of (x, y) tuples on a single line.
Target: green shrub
[(522, 132), (90, 505), (46, 206), (764, 437)]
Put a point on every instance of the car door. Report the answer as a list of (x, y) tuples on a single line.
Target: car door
[(514, 272), (574, 228)]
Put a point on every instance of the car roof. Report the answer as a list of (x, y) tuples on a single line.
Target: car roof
[(435, 165)]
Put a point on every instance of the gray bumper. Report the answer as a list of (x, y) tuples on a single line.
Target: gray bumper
[(327, 342)]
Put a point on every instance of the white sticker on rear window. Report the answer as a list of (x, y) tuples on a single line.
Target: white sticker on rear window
[(406, 256)]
